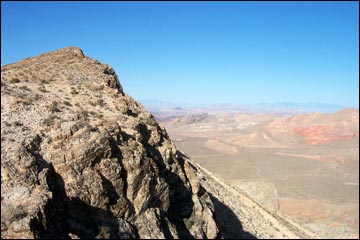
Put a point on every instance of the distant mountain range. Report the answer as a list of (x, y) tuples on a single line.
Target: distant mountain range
[(310, 129), (306, 107), (279, 107)]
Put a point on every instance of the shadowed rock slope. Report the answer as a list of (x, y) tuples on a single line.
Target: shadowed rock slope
[(81, 159)]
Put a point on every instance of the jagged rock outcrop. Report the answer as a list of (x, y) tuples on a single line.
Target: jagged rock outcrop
[(82, 159)]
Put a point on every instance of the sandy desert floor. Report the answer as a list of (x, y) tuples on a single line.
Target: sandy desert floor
[(315, 186)]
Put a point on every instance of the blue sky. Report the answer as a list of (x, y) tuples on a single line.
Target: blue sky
[(202, 52)]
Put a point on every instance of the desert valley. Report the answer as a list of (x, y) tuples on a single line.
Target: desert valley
[(302, 166)]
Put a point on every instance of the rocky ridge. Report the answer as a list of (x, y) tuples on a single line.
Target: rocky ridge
[(82, 159)]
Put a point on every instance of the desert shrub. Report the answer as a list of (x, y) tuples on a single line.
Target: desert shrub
[(148, 121), (42, 88), (49, 120), (14, 80), (104, 232), (36, 97), (18, 123), (96, 114), (54, 107), (25, 128), (80, 124), (73, 91), (7, 123), (84, 112), (20, 95), (67, 103), (100, 102), (26, 102), (25, 88)]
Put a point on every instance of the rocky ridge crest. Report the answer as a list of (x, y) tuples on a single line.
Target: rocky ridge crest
[(82, 159)]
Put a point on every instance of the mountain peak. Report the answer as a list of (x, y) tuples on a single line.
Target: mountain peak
[(69, 51), (64, 65), (80, 158)]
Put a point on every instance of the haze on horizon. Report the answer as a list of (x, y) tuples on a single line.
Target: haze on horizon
[(202, 52)]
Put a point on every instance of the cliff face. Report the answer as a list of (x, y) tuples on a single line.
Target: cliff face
[(80, 158)]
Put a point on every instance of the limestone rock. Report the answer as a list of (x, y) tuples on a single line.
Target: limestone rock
[(82, 159)]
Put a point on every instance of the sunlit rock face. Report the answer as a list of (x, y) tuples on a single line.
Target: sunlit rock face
[(82, 159)]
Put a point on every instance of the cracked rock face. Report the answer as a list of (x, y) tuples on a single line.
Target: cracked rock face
[(82, 159)]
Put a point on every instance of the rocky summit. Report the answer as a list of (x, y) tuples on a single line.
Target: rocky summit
[(81, 159)]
